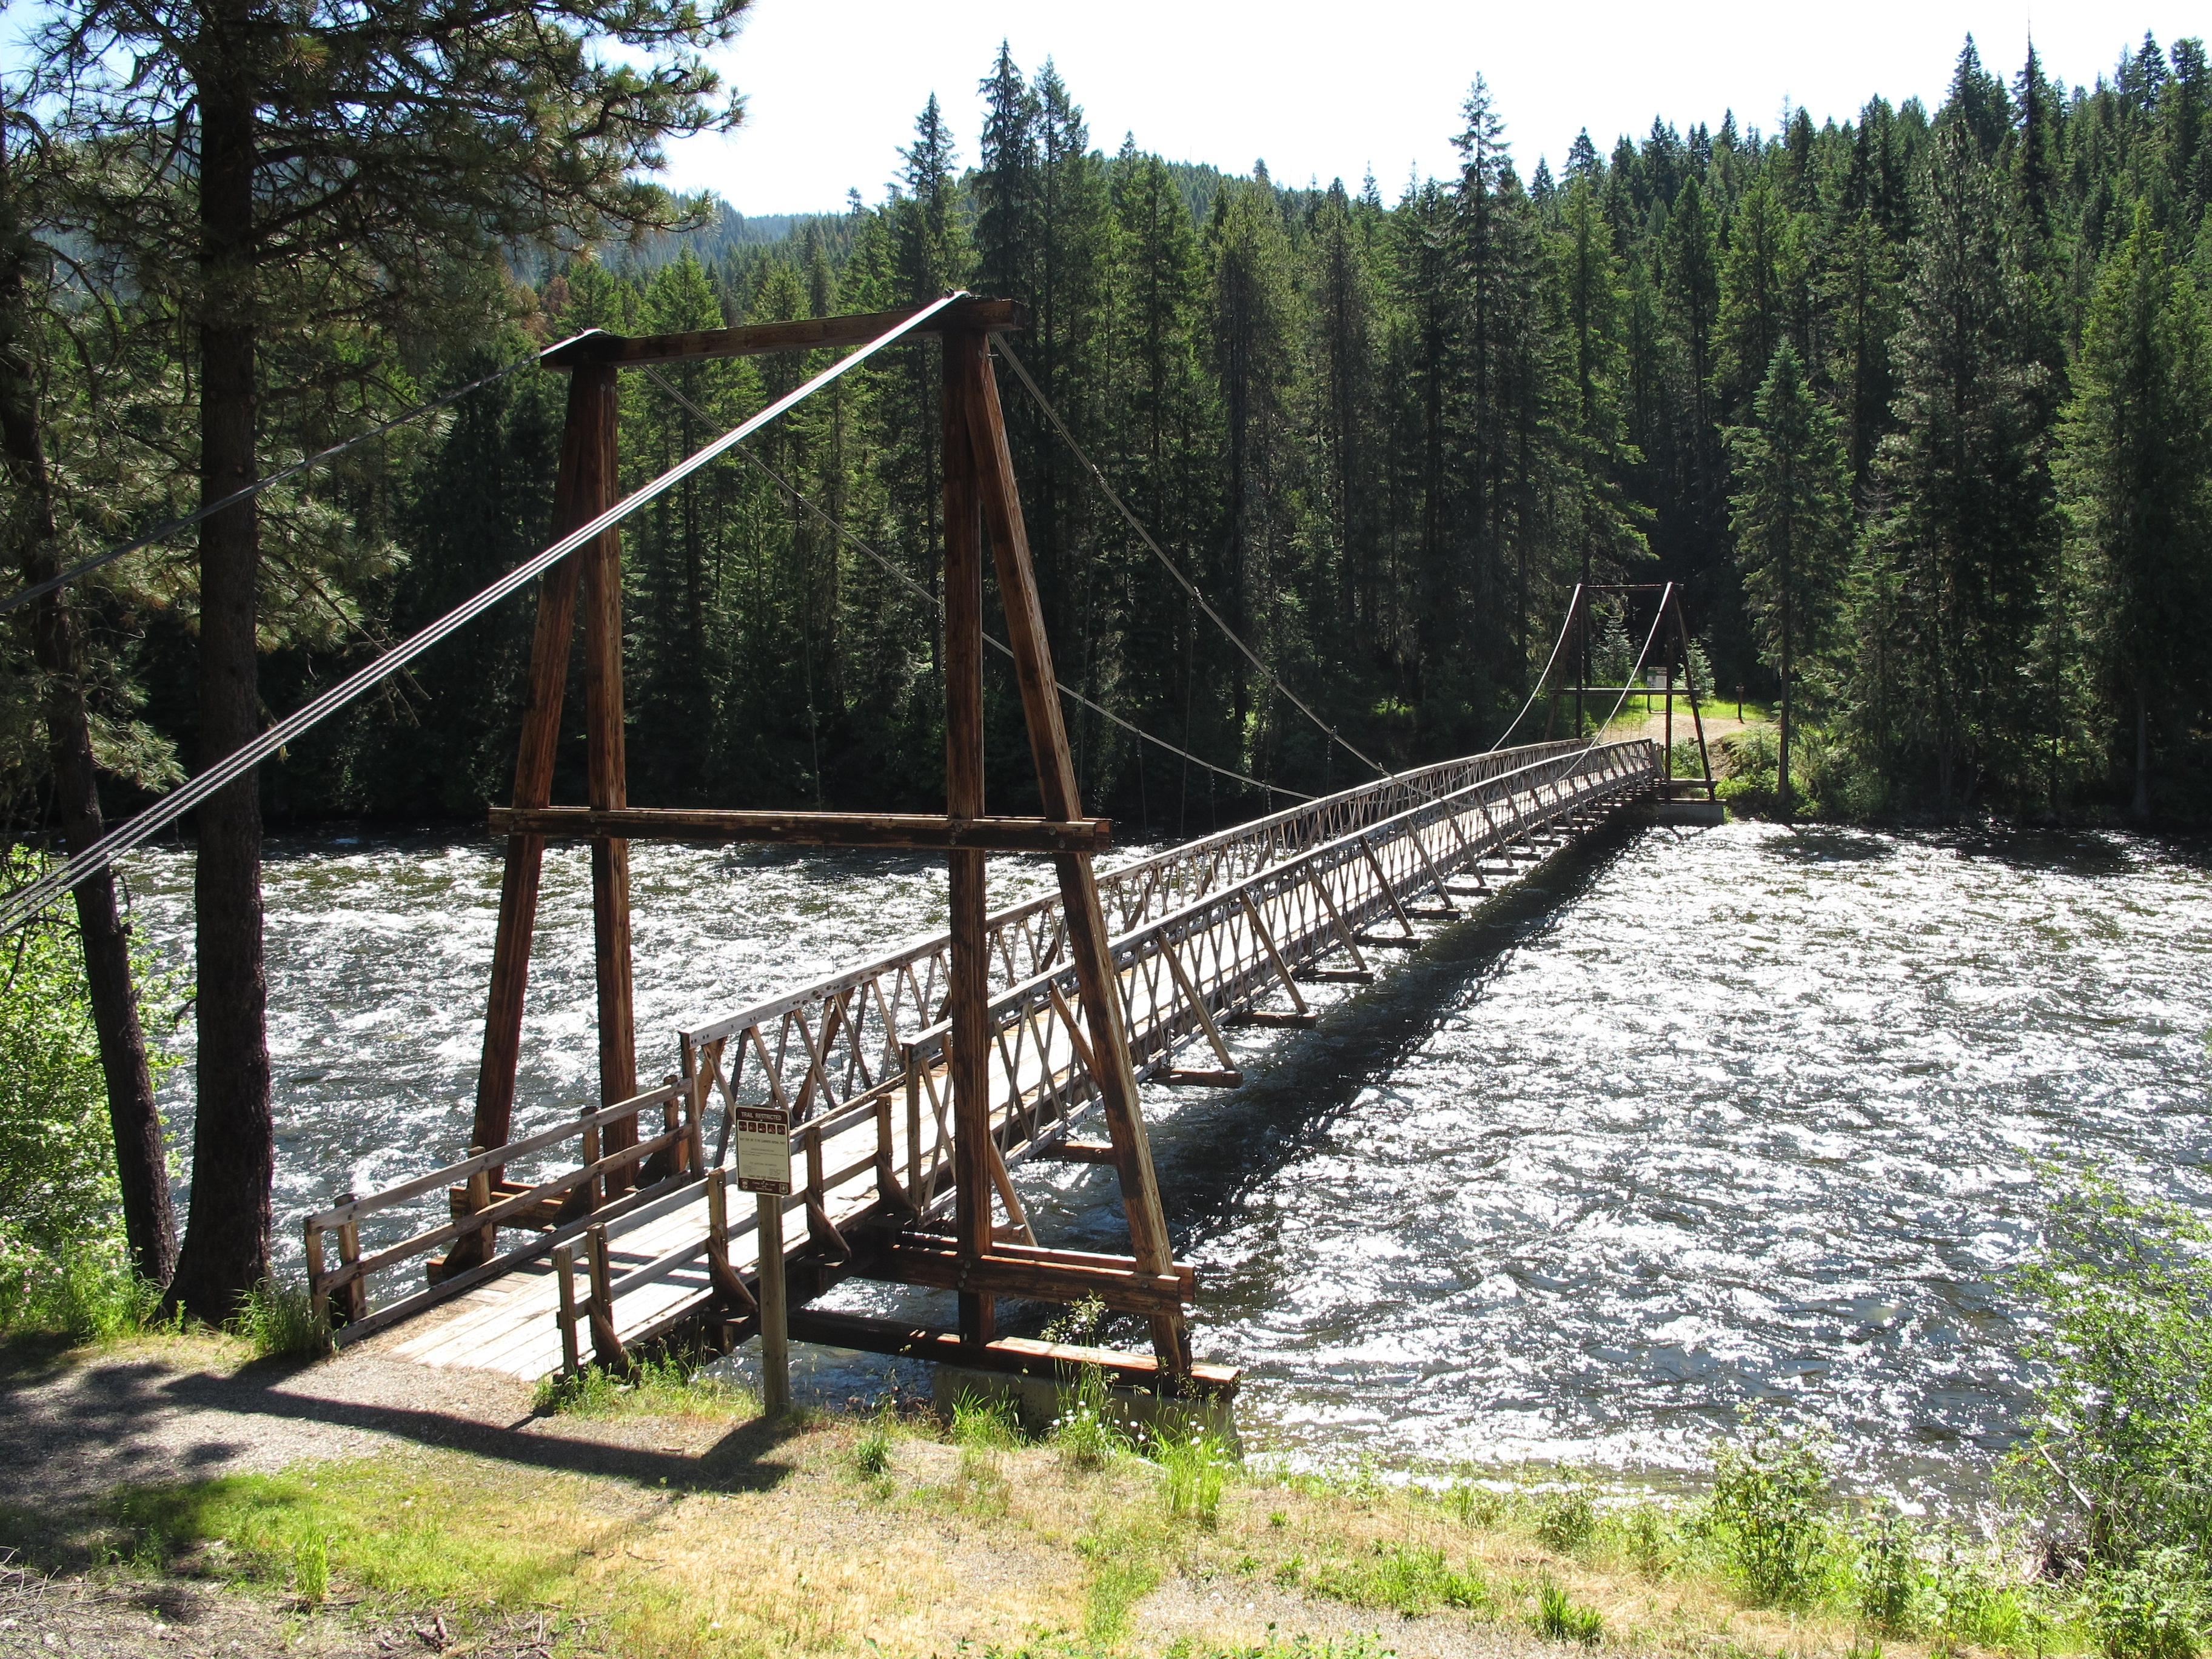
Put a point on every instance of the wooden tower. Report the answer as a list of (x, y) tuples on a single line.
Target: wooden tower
[(982, 509), (1669, 657)]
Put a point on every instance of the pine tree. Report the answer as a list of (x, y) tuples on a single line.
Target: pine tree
[(1970, 527), (2137, 466), (259, 187), (1762, 296), (65, 678), (1859, 300), (1791, 514), (1345, 338), (1254, 330), (1007, 185)]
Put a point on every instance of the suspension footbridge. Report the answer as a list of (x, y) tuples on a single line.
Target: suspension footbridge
[(866, 1126)]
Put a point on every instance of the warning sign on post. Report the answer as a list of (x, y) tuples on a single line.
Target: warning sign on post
[(763, 1138)]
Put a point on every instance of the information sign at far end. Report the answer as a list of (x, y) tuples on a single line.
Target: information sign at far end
[(763, 1149)]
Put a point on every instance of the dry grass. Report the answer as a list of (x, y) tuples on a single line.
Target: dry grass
[(789, 1542)]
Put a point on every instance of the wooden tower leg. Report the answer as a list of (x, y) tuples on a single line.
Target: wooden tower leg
[(969, 357), (577, 496), (1690, 683), (963, 798), (607, 783)]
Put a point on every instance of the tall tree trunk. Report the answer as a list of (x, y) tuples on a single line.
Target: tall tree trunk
[(226, 1249), (1781, 745), (2141, 804), (142, 1171)]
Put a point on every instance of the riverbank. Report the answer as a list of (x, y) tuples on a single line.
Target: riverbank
[(359, 1506)]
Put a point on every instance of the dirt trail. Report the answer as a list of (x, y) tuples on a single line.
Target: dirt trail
[(185, 1411)]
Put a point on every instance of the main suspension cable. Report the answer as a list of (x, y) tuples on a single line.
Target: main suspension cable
[(1051, 414), (938, 603), (1558, 646), (29, 900), (161, 532)]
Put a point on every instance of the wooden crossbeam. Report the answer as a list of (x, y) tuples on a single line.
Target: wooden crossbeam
[(931, 831), (754, 339), (1013, 1355), (1044, 1275)]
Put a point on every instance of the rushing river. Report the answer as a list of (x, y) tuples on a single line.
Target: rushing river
[(1690, 1120)]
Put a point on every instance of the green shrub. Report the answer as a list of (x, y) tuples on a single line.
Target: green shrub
[(57, 1149), (1644, 1534), (63, 1268), (1567, 1519), (84, 1292), (1767, 1512), (2152, 1609), (1887, 1572), (2121, 1441), (1828, 779)]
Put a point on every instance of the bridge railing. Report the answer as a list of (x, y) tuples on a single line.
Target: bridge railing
[(861, 1065), (599, 1185), (819, 1046)]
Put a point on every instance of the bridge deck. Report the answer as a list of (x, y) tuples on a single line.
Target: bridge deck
[(1204, 932)]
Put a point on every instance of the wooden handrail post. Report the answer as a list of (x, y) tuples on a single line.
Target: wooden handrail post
[(318, 1299), (695, 1108), (480, 1200), (605, 1343), (662, 1165), (355, 1293), (564, 1272), (590, 1153), (719, 1270)]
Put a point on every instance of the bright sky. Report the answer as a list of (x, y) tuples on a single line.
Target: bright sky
[(1319, 91)]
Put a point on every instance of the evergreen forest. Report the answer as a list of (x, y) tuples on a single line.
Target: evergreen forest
[(1917, 407)]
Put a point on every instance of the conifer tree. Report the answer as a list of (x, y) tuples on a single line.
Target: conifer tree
[(255, 185), (1762, 292), (1791, 514), (60, 649), (2137, 466), (1970, 523)]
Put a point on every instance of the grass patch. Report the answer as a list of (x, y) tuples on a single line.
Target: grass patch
[(1085, 1432), (1561, 1620), (670, 1385), (277, 1320), (429, 1535), (1407, 1579), (971, 1535), (1192, 1473)]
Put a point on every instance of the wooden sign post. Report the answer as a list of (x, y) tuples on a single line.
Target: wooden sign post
[(762, 1135)]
